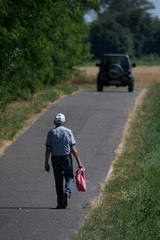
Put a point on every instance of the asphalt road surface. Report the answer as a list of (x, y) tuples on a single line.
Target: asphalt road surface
[(27, 192)]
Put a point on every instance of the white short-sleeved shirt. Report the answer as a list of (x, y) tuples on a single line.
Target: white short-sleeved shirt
[(60, 139)]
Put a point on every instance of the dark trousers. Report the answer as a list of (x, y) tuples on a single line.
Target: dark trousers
[(63, 169)]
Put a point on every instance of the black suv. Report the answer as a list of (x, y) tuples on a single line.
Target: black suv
[(115, 70)]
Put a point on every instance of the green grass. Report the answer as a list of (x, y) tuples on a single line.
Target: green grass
[(130, 205), (14, 116), (146, 60)]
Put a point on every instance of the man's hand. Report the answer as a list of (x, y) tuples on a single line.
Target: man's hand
[(80, 165), (47, 167)]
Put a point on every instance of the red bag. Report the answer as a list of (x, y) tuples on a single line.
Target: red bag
[(80, 180)]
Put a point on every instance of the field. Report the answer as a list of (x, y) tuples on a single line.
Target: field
[(143, 75)]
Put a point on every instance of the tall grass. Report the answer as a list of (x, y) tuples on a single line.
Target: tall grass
[(130, 205)]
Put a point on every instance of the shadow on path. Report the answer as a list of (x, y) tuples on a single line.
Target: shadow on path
[(29, 208)]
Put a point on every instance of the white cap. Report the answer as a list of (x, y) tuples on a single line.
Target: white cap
[(59, 118)]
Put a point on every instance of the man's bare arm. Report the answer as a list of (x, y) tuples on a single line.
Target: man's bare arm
[(47, 155), (75, 154)]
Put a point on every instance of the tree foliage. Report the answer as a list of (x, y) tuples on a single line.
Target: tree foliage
[(125, 26), (40, 41), (127, 5)]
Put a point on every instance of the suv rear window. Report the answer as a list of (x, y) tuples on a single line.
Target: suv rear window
[(109, 60)]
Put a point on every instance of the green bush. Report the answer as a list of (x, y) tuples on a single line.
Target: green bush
[(41, 42)]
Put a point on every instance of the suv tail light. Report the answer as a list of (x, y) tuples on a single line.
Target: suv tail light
[(129, 70)]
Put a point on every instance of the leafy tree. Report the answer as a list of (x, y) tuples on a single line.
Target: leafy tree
[(41, 41), (139, 23), (124, 26), (107, 35), (152, 41), (127, 5)]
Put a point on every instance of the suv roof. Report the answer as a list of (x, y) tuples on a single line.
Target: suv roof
[(115, 55)]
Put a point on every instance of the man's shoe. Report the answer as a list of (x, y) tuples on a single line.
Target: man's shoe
[(59, 206), (64, 202)]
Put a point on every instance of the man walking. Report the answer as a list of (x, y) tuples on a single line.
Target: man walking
[(60, 143)]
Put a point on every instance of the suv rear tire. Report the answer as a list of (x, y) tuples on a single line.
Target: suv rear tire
[(131, 86), (99, 88)]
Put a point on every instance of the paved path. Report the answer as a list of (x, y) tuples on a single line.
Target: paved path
[(27, 192)]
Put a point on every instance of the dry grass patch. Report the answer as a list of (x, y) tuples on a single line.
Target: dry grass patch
[(147, 74), (3, 145), (88, 75)]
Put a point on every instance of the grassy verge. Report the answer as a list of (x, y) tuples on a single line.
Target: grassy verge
[(130, 204), (16, 114)]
